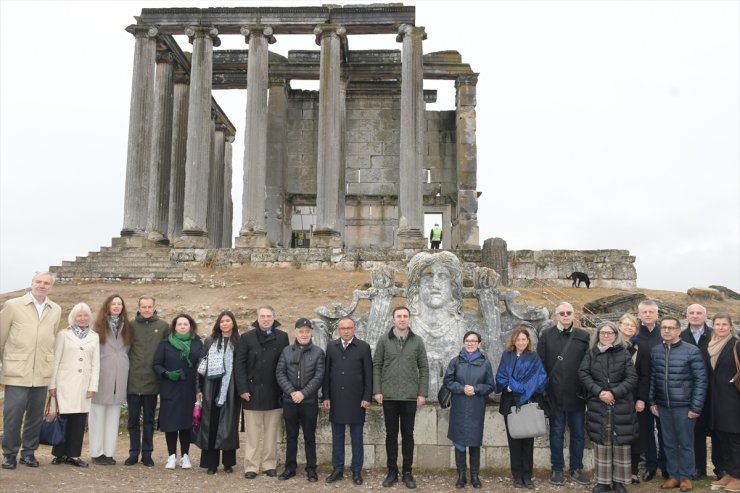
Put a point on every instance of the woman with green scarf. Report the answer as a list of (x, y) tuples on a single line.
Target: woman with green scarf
[(176, 362)]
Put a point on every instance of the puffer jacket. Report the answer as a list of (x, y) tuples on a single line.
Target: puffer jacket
[(301, 368), (678, 376), (400, 371), (611, 370)]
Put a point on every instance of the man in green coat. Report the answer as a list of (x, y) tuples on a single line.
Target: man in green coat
[(143, 383), (400, 384)]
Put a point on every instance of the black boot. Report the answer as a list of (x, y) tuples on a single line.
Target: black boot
[(475, 466), (461, 468)]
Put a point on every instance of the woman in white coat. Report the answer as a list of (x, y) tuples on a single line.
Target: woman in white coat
[(74, 381)]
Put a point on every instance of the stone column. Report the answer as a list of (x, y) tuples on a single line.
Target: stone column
[(139, 131), (253, 234), (277, 155), (161, 151), (412, 150), (177, 159), (228, 216), (330, 165), (216, 187), (465, 234), (198, 158)]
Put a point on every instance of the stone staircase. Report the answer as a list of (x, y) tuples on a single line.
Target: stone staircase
[(115, 263)]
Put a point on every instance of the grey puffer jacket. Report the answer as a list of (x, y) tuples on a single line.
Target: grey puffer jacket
[(301, 368), (678, 376)]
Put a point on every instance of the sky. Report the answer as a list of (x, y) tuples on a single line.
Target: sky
[(600, 124)]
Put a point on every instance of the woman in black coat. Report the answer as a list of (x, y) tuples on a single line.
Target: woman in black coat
[(609, 378), (176, 362), (725, 404), (469, 377), (218, 437)]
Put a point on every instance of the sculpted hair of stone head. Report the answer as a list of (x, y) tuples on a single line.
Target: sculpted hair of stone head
[(519, 329), (79, 307), (422, 261)]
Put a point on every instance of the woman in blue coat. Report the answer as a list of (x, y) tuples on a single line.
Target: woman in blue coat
[(469, 377), (176, 362), (520, 378)]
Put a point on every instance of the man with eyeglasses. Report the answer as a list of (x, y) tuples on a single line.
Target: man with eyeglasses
[(678, 384), (561, 349)]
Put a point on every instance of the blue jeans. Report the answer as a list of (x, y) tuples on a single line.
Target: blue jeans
[(575, 421), (654, 455), (678, 437), (337, 446)]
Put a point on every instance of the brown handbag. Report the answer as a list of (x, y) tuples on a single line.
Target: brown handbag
[(736, 379)]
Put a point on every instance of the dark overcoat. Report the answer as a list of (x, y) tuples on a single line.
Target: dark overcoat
[(614, 371), (641, 359), (176, 399), (467, 414), (725, 410), (563, 387), (227, 434), (257, 356), (348, 380)]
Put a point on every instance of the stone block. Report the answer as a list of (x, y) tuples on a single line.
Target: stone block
[(386, 162), (425, 429), (434, 456), (367, 148)]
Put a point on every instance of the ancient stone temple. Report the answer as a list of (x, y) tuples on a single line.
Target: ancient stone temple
[(355, 164)]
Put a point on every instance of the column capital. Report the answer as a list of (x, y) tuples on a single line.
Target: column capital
[(142, 30), (409, 30), (466, 80), (324, 30), (193, 32), (257, 29)]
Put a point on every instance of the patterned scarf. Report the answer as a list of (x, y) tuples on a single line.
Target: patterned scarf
[(113, 322), (80, 332), (181, 342), (220, 364)]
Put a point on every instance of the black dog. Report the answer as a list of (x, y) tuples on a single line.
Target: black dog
[(580, 277)]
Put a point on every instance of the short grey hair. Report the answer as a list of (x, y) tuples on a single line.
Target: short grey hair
[(696, 304), (44, 273), (648, 303), (265, 307), (79, 307), (595, 337)]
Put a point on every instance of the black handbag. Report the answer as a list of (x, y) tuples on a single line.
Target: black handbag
[(444, 396), (52, 426)]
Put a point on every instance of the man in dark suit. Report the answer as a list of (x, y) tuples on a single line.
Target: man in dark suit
[(348, 385)]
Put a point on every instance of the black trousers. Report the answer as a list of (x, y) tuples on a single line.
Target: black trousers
[(211, 457), (521, 455), (74, 433), (300, 416), (729, 447), (139, 442), (171, 437), (403, 412)]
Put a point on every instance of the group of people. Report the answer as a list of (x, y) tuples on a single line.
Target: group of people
[(619, 385)]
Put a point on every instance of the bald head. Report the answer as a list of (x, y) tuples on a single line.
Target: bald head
[(696, 315)]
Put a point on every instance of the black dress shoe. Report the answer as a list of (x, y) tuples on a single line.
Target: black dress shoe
[(9, 462), (409, 481), (390, 479), (30, 461), (58, 460), (336, 475), (77, 462), (665, 474), (147, 461), (312, 476), (648, 476), (228, 469), (250, 475), (518, 483), (100, 460), (211, 471), (287, 474), (131, 460), (270, 472), (528, 483), (111, 461), (357, 477)]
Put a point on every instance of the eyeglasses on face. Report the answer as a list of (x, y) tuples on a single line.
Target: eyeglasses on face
[(565, 314), (607, 333), (471, 341)]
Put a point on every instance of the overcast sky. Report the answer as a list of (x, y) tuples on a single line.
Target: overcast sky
[(601, 124)]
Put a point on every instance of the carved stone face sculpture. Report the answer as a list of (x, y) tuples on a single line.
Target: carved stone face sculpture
[(434, 286)]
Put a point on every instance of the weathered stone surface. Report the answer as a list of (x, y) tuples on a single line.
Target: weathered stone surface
[(729, 293), (623, 303), (705, 293)]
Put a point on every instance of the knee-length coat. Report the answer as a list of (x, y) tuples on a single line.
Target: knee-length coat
[(467, 414), (76, 370), (725, 405), (176, 399)]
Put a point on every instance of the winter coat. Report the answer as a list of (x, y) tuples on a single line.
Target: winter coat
[(647, 339), (526, 378), (114, 368), (400, 371), (678, 377), (688, 337), (227, 432), (147, 334), (563, 386), (614, 371), (642, 368), (176, 399), (467, 414), (348, 380), (76, 370), (256, 360), (725, 407), (301, 368), (27, 343)]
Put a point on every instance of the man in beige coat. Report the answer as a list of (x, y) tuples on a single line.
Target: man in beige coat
[(27, 328)]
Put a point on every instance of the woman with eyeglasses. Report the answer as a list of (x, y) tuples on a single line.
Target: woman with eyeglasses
[(469, 377), (609, 379), (628, 325), (521, 378)]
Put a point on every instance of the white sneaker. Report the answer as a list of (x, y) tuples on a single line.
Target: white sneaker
[(185, 462), (171, 461)]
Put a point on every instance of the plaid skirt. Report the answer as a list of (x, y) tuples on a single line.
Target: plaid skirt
[(612, 462)]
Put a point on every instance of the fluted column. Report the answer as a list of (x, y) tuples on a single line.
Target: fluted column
[(161, 150), (198, 158), (252, 233), (136, 196), (412, 150), (278, 229), (216, 187), (228, 217), (465, 232), (177, 159), (330, 166)]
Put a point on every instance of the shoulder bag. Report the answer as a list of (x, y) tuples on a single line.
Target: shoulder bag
[(444, 396), (527, 421), (52, 426), (736, 379)]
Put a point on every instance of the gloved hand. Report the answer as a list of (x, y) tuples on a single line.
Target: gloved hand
[(174, 375)]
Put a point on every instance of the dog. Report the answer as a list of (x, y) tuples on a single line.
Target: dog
[(581, 277)]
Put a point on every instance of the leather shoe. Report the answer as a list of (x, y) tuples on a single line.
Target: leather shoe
[(686, 485), (77, 462), (131, 460), (111, 461), (287, 474), (30, 461), (58, 460), (211, 471), (665, 474), (408, 480), (312, 476), (100, 460), (228, 469), (9, 462), (528, 483), (698, 475), (270, 473), (670, 484), (648, 476), (336, 475), (390, 479), (250, 475), (619, 488), (601, 488), (147, 461), (357, 477)]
